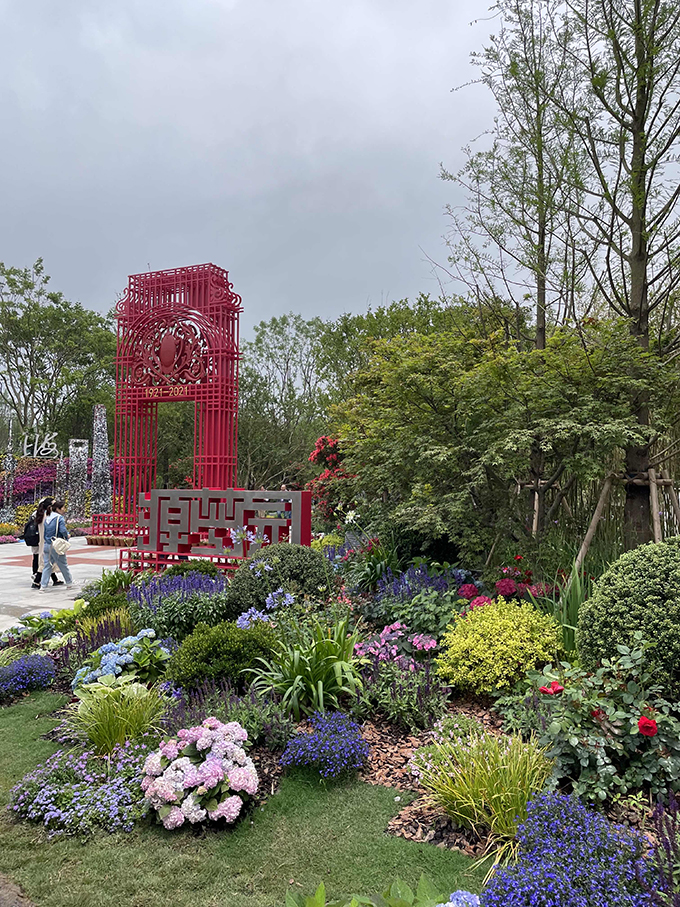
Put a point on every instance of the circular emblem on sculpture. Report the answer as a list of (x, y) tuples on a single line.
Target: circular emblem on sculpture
[(170, 348)]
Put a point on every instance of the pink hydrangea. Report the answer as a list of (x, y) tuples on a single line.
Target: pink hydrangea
[(192, 811), (235, 732), (244, 778), (170, 749), (211, 773), (468, 590), (174, 818), (152, 765), (228, 809), (423, 642), (506, 587)]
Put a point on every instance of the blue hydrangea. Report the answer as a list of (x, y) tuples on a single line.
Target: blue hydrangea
[(112, 658)]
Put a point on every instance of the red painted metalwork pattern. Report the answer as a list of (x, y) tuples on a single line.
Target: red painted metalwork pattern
[(177, 340)]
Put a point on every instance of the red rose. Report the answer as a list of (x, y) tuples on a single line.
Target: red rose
[(553, 689), (647, 726)]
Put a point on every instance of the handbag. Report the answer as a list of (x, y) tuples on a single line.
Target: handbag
[(60, 546)]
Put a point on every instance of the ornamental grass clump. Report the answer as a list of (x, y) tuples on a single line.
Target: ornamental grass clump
[(335, 748), (201, 774), (29, 672), (570, 856), (76, 793), (493, 647), (115, 709), (483, 781)]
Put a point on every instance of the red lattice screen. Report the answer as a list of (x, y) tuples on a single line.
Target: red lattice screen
[(177, 340)]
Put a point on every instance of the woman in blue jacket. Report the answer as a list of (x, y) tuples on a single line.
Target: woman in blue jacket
[(55, 527)]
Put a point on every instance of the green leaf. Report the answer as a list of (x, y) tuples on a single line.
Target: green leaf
[(426, 890)]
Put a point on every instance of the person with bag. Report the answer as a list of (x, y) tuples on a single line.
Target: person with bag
[(55, 546), (34, 538)]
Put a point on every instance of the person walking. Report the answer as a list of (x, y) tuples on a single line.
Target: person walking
[(34, 536), (55, 528)]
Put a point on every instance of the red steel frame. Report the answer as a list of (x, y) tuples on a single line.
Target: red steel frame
[(178, 336)]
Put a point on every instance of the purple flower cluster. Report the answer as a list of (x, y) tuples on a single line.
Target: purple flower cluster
[(571, 857), (407, 585), (393, 644), (151, 593), (74, 793), (334, 748), (202, 773), (250, 617), (30, 672)]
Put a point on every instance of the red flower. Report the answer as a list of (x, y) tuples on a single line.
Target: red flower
[(518, 557), (647, 726), (598, 714), (553, 689)]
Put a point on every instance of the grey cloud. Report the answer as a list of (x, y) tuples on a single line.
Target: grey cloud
[(294, 142)]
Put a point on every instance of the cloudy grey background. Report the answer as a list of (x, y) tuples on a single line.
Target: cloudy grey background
[(294, 142)]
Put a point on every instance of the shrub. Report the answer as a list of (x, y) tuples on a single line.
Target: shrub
[(483, 781), (570, 856), (193, 565), (313, 672), (219, 653), (30, 672), (329, 540), (78, 792), (408, 699), (639, 592), (104, 603), (115, 709), (295, 568), (262, 717), (335, 748), (202, 773), (595, 727), (493, 646), (173, 605), (140, 655)]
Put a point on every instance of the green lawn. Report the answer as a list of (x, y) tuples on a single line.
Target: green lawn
[(303, 835)]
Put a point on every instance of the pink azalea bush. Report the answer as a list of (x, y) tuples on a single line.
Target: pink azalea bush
[(201, 774)]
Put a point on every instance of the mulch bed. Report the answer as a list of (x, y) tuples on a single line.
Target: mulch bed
[(390, 752)]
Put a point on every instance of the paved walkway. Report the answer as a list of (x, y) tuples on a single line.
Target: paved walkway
[(17, 597)]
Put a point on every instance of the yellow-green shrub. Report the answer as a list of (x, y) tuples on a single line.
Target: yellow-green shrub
[(493, 646)]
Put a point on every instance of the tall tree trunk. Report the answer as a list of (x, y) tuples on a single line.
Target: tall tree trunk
[(637, 511)]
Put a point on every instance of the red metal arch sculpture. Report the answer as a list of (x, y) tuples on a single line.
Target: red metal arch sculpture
[(177, 340)]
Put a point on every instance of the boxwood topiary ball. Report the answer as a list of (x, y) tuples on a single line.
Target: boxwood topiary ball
[(295, 568), (639, 591)]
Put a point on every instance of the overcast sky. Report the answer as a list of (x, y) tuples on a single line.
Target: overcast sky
[(294, 142)]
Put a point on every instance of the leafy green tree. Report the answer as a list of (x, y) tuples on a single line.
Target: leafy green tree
[(441, 430), (282, 402), (56, 357)]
